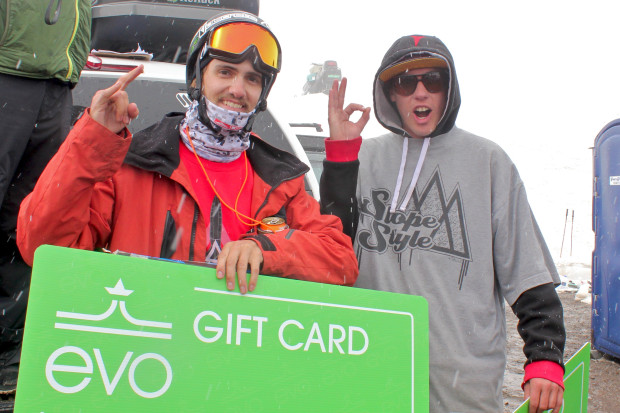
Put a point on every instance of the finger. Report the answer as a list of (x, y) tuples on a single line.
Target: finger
[(364, 118), (254, 270), (332, 102), (231, 266), (220, 267), (123, 81), (559, 398), (255, 261), (121, 102), (543, 403), (534, 401), (352, 107), (526, 391), (107, 93), (242, 270), (129, 77), (553, 402), (336, 97), (133, 111), (342, 91)]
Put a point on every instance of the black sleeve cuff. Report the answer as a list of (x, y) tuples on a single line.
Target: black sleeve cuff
[(338, 186), (541, 324)]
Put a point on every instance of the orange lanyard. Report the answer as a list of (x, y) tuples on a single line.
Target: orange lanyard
[(239, 215)]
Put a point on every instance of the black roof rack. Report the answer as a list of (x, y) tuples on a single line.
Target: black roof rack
[(161, 27)]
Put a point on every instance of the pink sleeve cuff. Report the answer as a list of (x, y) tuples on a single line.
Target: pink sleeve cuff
[(545, 370), (342, 151)]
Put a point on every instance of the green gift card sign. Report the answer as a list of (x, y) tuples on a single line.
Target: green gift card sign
[(576, 382), (109, 333)]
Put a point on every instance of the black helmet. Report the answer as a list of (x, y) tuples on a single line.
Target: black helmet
[(234, 37)]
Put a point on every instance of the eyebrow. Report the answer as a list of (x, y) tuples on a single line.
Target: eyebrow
[(225, 65)]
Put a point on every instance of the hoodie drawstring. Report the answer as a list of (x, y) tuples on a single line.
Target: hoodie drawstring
[(414, 179)]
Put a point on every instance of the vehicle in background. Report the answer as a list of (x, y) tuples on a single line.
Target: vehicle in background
[(165, 30), (162, 27), (307, 117), (321, 77), (312, 139)]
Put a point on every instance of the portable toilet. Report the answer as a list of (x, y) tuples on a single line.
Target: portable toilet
[(606, 227)]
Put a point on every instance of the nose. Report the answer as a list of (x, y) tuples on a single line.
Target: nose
[(237, 88), (420, 90)]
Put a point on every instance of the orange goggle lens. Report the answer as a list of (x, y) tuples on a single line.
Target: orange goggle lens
[(237, 37)]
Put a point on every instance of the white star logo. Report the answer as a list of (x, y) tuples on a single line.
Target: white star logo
[(119, 289)]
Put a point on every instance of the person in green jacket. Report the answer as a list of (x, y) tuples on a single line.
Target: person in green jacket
[(44, 45)]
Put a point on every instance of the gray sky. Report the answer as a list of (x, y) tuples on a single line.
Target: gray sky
[(534, 65), (541, 78)]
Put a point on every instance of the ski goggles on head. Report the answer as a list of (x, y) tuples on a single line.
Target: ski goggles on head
[(435, 82), (234, 39)]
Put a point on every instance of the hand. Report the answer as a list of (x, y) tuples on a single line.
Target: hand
[(235, 258), (544, 395), (111, 108), (340, 127)]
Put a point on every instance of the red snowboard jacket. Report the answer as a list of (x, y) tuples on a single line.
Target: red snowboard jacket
[(133, 194)]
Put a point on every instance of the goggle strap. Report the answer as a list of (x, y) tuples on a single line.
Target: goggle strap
[(198, 88), (250, 122), (251, 51)]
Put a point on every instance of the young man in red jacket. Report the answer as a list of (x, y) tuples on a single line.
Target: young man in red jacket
[(197, 186)]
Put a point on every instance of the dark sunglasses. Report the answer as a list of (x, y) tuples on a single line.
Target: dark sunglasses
[(434, 82)]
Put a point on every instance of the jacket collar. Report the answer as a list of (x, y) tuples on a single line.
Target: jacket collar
[(156, 149)]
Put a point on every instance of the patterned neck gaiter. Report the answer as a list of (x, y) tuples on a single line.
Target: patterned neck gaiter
[(223, 140)]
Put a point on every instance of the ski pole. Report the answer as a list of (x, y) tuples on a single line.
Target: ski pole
[(564, 232), (572, 221)]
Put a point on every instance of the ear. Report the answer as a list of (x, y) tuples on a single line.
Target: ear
[(192, 91), (392, 95)]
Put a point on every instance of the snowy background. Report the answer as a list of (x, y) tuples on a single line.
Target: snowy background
[(539, 78)]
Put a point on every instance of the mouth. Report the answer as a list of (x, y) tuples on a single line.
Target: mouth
[(422, 112), (233, 105)]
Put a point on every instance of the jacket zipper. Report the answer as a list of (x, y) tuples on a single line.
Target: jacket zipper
[(75, 27), (170, 232), (193, 235), (6, 23)]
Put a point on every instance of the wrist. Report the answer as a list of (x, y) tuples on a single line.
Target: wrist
[(544, 369), (342, 150)]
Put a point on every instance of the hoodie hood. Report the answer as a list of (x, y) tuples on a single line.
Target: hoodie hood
[(408, 48)]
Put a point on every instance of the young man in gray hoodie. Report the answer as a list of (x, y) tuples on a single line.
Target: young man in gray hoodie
[(438, 212)]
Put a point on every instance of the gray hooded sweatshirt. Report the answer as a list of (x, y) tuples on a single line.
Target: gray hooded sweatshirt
[(462, 235)]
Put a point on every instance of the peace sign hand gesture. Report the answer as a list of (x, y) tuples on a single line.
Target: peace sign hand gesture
[(111, 108), (340, 127)]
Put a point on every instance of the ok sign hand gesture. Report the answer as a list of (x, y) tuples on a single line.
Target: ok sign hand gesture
[(340, 127)]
